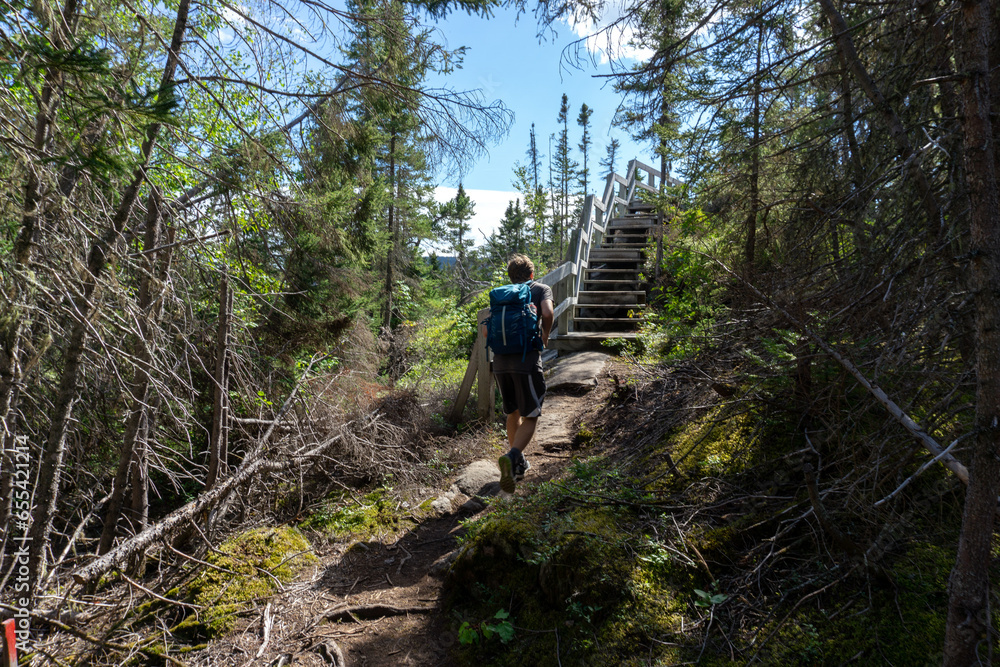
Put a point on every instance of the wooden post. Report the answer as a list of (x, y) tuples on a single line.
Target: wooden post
[(485, 405), (463, 392), (659, 246), (9, 657)]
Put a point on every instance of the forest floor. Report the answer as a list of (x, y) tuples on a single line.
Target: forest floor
[(379, 602)]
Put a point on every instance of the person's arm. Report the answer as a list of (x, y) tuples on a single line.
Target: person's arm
[(548, 316)]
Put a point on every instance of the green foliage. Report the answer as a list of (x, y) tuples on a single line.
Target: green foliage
[(474, 633), (440, 348), (682, 324), (706, 599)]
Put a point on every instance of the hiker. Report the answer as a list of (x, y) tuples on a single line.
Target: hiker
[(519, 375)]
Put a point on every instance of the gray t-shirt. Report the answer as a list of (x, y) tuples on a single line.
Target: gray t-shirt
[(511, 363)]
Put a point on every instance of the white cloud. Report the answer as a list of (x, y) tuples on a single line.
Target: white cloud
[(606, 39), (490, 207)]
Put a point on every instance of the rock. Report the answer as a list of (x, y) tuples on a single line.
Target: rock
[(490, 490), (442, 504), (577, 373), (443, 564), (555, 427), (473, 505), (476, 476), (331, 654)]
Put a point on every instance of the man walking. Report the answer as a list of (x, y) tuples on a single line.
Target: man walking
[(520, 379)]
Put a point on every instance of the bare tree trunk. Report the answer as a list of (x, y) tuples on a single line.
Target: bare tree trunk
[(218, 445), (50, 466), (12, 322), (140, 390), (391, 252), (967, 636), (750, 249)]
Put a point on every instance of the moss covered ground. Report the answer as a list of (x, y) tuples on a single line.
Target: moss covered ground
[(243, 570), (702, 547)]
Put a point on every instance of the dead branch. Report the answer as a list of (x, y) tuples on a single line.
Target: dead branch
[(375, 611), (80, 634), (246, 473), (893, 409)]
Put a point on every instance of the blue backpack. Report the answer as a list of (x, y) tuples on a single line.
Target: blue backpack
[(513, 324)]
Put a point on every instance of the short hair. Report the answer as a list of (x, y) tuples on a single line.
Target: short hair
[(520, 268)]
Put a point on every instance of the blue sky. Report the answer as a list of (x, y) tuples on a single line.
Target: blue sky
[(506, 60)]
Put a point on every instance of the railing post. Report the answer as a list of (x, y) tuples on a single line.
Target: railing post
[(485, 403), (659, 246), (9, 657)]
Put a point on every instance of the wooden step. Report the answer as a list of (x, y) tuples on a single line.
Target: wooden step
[(640, 222), (620, 246), (611, 255), (598, 335), (615, 271), (624, 237), (618, 314), (590, 297), (603, 285)]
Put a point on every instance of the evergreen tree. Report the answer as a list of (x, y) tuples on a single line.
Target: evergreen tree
[(535, 200), (511, 235), (583, 120), (534, 159), (566, 170), (610, 158), (456, 214)]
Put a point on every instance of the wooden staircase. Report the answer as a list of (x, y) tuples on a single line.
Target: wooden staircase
[(599, 290)]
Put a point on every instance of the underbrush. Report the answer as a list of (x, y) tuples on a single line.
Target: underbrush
[(438, 352), (716, 532)]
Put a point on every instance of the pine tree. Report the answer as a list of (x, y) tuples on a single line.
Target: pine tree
[(511, 235), (583, 120), (610, 158), (535, 200), (456, 214), (566, 169)]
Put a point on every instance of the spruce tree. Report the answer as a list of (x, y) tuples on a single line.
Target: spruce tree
[(610, 158), (583, 120)]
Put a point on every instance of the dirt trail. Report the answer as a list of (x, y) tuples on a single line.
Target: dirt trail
[(378, 604)]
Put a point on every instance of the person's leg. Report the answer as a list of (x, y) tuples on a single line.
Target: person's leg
[(513, 421), (523, 434)]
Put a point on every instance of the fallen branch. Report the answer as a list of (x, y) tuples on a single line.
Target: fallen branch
[(80, 634), (267, 621), (248, 471), (897, 413), (375, 611)]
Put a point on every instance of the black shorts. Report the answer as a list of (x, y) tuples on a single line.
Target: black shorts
[(523, 392)]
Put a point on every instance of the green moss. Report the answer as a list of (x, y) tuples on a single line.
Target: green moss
[(652, 609), (559, 565), (718, 445), (586, 436), (898, 622), (246, 568), (376, 514)]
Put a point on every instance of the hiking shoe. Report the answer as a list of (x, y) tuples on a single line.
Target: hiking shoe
[(507, 481), (520, 468)]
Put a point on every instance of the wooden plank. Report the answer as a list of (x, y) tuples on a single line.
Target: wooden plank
[(485, 402), (463, 393), (558, 274), (563, 305)]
